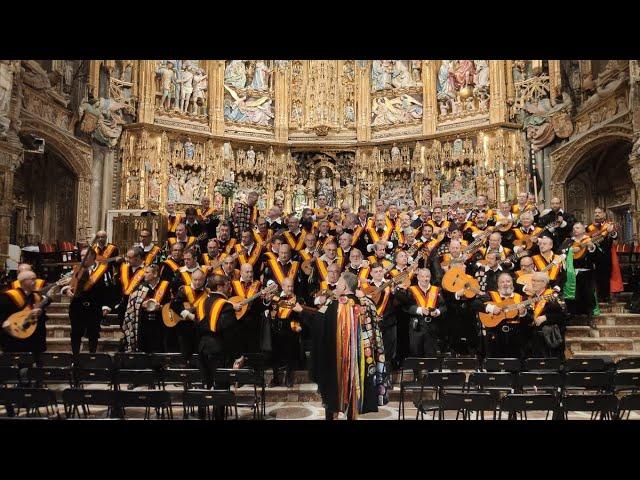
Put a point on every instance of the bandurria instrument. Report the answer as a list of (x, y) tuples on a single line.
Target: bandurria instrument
[(244, 302)]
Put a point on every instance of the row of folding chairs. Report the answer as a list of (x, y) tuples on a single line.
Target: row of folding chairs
[(516, 405), (558, 384), (33, 400), (519, 365), (189, 379)]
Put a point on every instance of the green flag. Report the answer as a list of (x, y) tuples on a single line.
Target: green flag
[(570, 285)]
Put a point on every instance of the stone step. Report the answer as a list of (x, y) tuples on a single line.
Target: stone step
[(63, 319), (614, 355), (578, 331), (64, 331), (626, 331), (618, 319), (57, 307), (64, 344), (602, 344)]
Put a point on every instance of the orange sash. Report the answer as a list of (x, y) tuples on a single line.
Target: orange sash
[(130, 284), (253, 258), (95, 276), (356, 235), (17, 297), (39, 284), (214, 314), (108, 251), (230, 246), (541, 263), (323, 267), (190, 241), (375, 237), (197, 303), (497, 298), (291, 240), (186, 276), (238, 288), (428, 301), (539, 306), (209, 262), (162, 288), (173, 223), (258, 238), (151, 255), (384, 300), (279, 274)]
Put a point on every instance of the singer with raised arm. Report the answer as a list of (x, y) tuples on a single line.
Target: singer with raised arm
[(348, 354)]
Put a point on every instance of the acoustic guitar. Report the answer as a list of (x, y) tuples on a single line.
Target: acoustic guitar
[(527, 240), (456, 279), (525, 278), (22, 324), (581, 247), (244, 302), (509, 310), (171, 318)]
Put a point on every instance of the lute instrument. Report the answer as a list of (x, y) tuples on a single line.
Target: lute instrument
[(23, 324)]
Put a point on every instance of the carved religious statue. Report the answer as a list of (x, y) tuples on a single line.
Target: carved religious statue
[(325, 186)]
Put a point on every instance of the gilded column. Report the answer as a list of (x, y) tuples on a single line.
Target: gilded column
[(511, 89), (215, 69), (430, 112), (281, 84), (363, 101), (498, 108), (94, 76), (555, 80), (147, 90)]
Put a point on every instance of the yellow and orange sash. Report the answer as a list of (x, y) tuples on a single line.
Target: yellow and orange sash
[(253, 258), (258, 238), (395, 272), (279, 274), (172, 265), (384, 299), (539, 306), (356, 235), (503, 253), (430, 300), (190, 241), (376, 237), (108, 251), (541, 263), (293, 243), (214, 314), (151, 255), (208, 261), (95, 276), (230, 246), (162, 288), (201, 216), (39, 284), (497, 298), (129, 284), (17, 296), (520, 235), (239, 289), (323, 267), (186, 275), (197, 303), (173, 222)]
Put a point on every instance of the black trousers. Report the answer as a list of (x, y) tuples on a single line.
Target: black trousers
[(506, 341), (423, 342), (390, 342), (209, 362), (585, 301), (85, 320), (151, 335), (286, 348), (187, 339)]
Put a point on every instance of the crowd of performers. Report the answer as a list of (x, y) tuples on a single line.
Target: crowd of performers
[(359, 290)]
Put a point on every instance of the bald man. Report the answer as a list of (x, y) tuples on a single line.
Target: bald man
[(25, 267), (103, 248), (14, 300)]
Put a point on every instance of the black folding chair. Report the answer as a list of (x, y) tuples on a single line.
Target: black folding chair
[(521, 403), (150, 378), (585, 365), (605, 405), (160, 400), (626, 382), (168, 360), (9, 376), (460, 363), (45, 376), (438, 383), (93, 361), (513, 365), (56, 359), (186, 377), (10, 359), (95, 376), (209, 400), (497, 384), (84, 398), (418, 367), (599, 382), (31, 399), (134, 361), (242, 377), (548, 382), (542, 364), (466, 403), (629, 363), (627, 404)]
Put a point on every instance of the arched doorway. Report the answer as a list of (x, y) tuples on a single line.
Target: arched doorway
[(600, 177), (45, 190)]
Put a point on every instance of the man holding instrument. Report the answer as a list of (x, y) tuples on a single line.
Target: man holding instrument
[(546, 338), (249, 329), (16, 299), (509, 338)]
